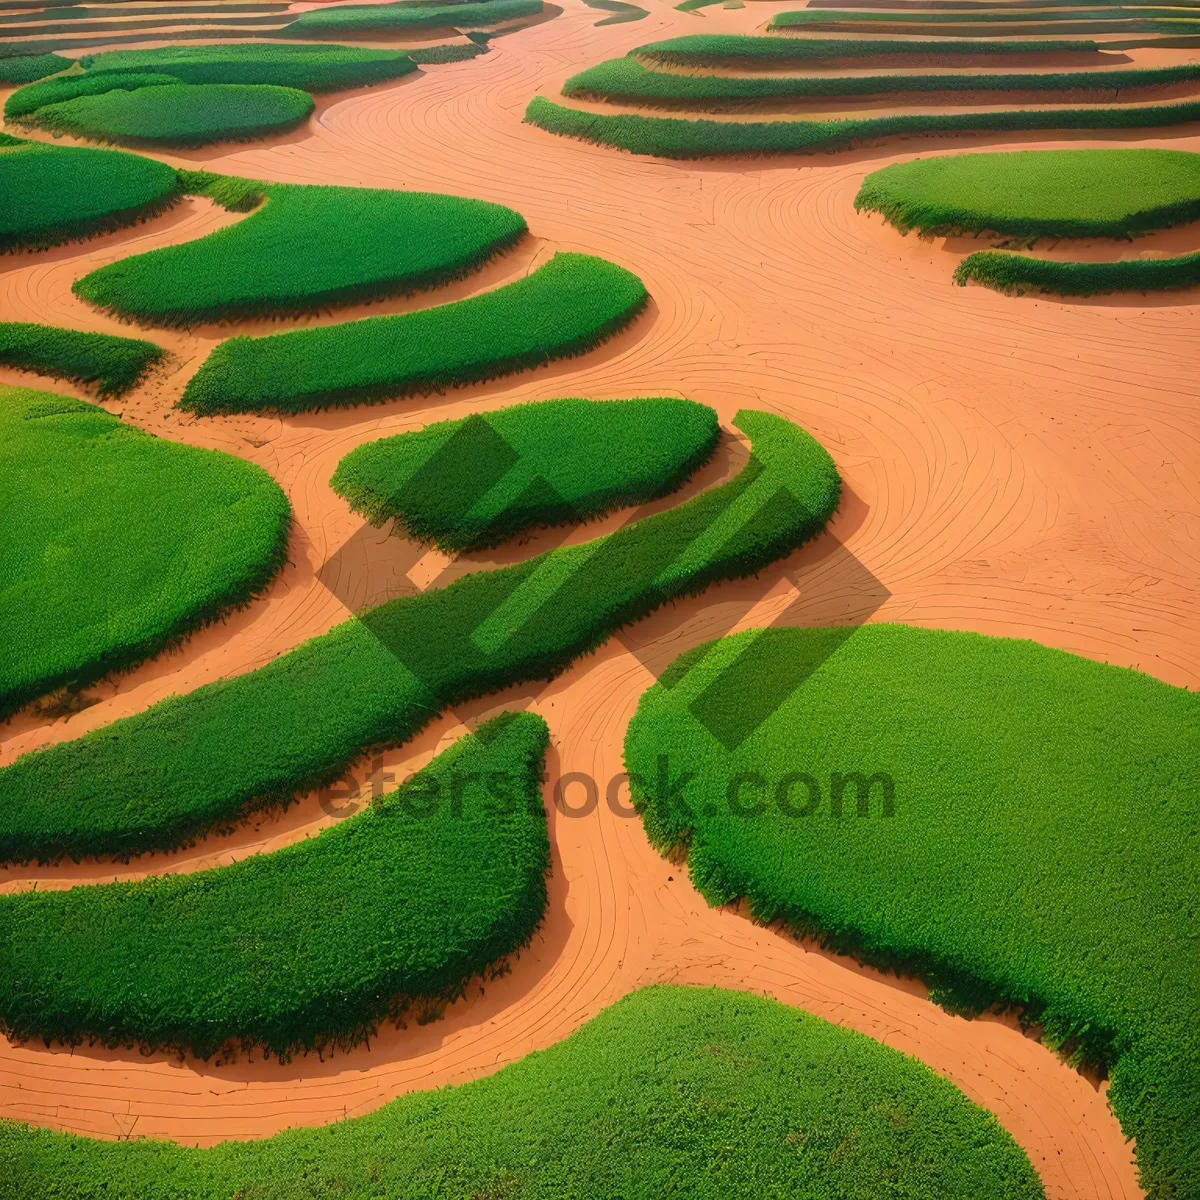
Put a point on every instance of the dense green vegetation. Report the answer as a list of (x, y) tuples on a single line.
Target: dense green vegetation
[(673, 1091), (474, 483), (621, 11), (307, 946), (1018, 273), (187, 764), (179, 114), (1022, 829), (25, 68), (567, 306), (410, 15), (1038, 193), (359, 244), (626, 79), (54, 194), (676, 137), (112, 364), (167, 26), (313, 68), (718, 49), (117, 543), (822, 18), (67, 87)]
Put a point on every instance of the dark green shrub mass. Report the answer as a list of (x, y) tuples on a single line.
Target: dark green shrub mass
[(677, 137), (626, 79), (112, 364), (1015, 824), (567, 306), (193, 762), (311, 68), (180, 114), (1018, 273), (673, 1091), (408, 15), (359, 244), (55, 194), (1038, 193), (474, 483), (25, 68), (67, 87), (310, 945), (116, 542), (718, 49)]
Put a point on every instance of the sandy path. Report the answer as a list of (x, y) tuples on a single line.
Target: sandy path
[(1024, 468)]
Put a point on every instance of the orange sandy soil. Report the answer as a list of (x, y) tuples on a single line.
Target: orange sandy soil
[(1024, 468)]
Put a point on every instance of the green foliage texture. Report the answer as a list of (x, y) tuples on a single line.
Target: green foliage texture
[(112, 364), (1018, 273), (61, 88), (407, 15)]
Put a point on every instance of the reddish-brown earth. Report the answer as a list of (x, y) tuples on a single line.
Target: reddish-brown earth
[(1020, 467)]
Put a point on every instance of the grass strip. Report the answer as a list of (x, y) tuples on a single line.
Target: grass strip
[(408, 15), (315, 68), (179, 114), (25, 68), (475, 483), (55, 194), (1017, 274), (117, 543), (627, 80), (193, 762), (166, 24), (821, 17), (722, 49), (1038, 193), (307, 947), (67, 87), (112, 364), (675, 137), (360, 244), (621, 11), (670, 1091), (1015, 864), (566, 307)]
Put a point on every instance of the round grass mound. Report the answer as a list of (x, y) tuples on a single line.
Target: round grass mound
[(61, 88), (55, 194), (1038, 193), (359, 244), (474, 483), (117, 542), (672, 1091), (1014, 823), (180, 114)]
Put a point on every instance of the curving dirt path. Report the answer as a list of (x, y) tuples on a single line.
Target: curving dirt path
[(1019, 467)]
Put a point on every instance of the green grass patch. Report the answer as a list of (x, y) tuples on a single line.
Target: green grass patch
[(359, 244), (112, 365), (475, 483), (677, 137), (307, 947), (407, 15), (166, 25), (25, 68), (621, 11), (1040, 847), (721, 49), (310, 68), (567, 306), (68, 87), (1018, 273), (453, 52), (1038, 193), (118, 543), (154, 780), (56, 194), (628, 80), (673, 1091), (822, 17), (179, 114)]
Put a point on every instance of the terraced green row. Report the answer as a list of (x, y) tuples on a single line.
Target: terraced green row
[(307, 947), (676, 137), (1013, 823), (834, 19), (25, 68), (474, 483), (163, 776), (87, 584), (359, 244), (1017, 274), (671, 1091), (410, 15), (112, 365), (626, 79)]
